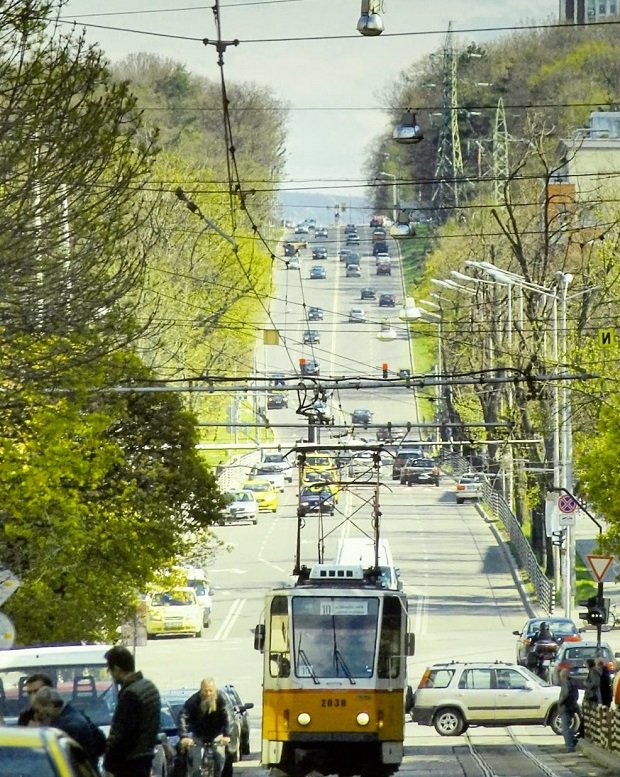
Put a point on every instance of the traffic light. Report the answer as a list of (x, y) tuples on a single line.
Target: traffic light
[(596, 614)]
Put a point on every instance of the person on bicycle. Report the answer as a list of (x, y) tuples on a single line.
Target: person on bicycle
[(207, 716)]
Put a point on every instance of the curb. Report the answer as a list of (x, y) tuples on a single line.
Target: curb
[(599, 755)]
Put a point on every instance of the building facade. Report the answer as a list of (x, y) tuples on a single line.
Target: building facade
[(588, 11)]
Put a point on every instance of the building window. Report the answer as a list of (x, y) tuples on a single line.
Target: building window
[(602, 8), (613, 7), (591, 11)]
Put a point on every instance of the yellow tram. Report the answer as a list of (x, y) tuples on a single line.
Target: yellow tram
[(334, 673)]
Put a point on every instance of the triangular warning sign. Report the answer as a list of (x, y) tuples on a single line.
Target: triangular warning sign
[(599, 566)]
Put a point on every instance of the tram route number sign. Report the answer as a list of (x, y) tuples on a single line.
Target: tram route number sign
[(343, 607), (567, 508)]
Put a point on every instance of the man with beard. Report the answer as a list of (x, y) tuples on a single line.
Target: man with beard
[(206, 717)]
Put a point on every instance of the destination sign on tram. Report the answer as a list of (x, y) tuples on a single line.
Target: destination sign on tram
[(328, 607)]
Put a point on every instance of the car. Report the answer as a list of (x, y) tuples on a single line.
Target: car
[(320, 462), (563, 629), (239, 745), (406, 451), (353, 271), (357, 315), (319, 252), (195, 578), (315, 314), (384, 268), (271, 472), (353, 239), (361, 416), (573, 656), (242, 507), (379, 258), (316, 498), (387, 301), (419, 471), (379, 233), (277, 401), (294, 264), (390, 433), (321, 409), (321, 232), (345, 253), (277, 459), (309, 367), (368, 293), (349, 228), (318, 272), (312, 337), (173, 612), (380, 247), (324, 477), (353, 258), (301, 229), (470, 486), (376, 221), (265, 493), (41, 751), (452, 696)]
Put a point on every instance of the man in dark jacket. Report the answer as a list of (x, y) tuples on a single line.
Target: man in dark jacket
[(568, 706), (50, 709), (135, 725), (31, 686), (206, 716)]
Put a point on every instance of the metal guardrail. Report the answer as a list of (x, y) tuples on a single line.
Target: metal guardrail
[(525, 557)]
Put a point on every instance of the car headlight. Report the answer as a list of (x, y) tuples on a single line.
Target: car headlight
[(156, 616)]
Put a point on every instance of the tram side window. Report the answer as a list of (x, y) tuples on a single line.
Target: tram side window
[(279, 638), (389, 644)]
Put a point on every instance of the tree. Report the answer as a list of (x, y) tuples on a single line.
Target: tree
[(100, 492)]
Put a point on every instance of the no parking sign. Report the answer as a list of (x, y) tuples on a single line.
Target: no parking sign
[(567, 508)]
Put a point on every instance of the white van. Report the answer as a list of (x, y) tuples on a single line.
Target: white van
[(197, 579), (79, 673), (361, 551)]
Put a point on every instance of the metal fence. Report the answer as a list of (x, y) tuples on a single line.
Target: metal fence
[(525, 557)]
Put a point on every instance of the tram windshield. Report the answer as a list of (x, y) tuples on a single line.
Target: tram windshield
[(334, 637)]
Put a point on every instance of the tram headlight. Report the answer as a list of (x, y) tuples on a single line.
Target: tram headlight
[(303, 719), (363, 718)]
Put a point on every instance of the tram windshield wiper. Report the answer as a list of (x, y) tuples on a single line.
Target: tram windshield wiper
[(339, 660), (302, 654)]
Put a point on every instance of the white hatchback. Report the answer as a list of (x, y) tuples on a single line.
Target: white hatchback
[(470, 486)]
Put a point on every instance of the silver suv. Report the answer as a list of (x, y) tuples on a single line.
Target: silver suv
[(453, 696)]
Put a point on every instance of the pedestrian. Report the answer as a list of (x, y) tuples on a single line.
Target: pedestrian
[(592, 683), (206, 716), (33, 683), (568, 706), (605, 682), (51, 710), (135, 724)]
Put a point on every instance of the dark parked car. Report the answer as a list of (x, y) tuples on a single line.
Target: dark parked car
[(387, 301), (240, 738), (309, 367), (312, 337), (315, 314), (562, 629), (573, 656), (317, 498), (368, 294)]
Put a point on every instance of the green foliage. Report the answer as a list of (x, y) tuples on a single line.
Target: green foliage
[(98, 490)]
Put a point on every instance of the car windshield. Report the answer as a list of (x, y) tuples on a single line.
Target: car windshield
[(241, 496), (558, 628), (257, 486), (173, 599)]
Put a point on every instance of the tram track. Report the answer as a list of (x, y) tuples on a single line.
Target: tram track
[(500, 760)]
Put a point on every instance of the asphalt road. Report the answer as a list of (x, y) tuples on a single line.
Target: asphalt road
[(463, 601)]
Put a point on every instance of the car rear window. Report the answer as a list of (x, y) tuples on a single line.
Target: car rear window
[(23, 761), (437, 678), (581, 653)]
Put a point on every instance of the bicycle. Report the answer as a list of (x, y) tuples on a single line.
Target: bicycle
[(207, 765)]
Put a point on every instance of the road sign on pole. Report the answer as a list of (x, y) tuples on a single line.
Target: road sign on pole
[(599, 566), (567, 506)]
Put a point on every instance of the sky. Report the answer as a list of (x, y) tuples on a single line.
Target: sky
[(333, 87)]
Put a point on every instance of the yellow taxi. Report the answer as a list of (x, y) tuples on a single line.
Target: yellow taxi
[(265, 493), (319, 462), (174, 612), (45, 752)]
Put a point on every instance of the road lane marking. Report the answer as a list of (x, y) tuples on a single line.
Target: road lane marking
[(230, 619)]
